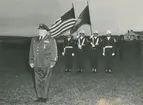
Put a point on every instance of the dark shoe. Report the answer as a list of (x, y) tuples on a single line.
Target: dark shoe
[(38, 100), (66, 70), (78, 70), (106, 71), (93, 70), (109, 71), (44, 100)]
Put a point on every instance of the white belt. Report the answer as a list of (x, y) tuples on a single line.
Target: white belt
[(68, 47), (108, 47)]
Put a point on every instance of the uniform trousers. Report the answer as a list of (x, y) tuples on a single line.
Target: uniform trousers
[(94, 58), (121, 52), (42, 81), (108, 58), (68, 60), (80, 59), (108, 61)]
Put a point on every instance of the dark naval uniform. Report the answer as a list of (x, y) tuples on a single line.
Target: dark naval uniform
[(108, 50), (68, 53), (95, 49), (43, 53), (80, 43), (138, 47), (121, 43)]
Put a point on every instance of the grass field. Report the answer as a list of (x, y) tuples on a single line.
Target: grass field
[(123, 87)]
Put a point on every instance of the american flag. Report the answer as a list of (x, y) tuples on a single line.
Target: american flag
[(63, 24)]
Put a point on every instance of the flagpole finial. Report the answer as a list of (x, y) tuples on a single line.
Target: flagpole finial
[(87, 3), (72, 5)]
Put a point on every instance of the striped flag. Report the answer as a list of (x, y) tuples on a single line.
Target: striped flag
[(63, 24)]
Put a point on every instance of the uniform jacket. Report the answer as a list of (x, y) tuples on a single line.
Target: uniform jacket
[(110, 42), (95, 41), (67, 45), (82, 42), (43, 53)]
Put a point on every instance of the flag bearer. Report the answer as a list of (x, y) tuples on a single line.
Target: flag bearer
[(95, 41), (79, 51)]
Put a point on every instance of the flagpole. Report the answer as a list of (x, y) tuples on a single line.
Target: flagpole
[(90, 19), (75, 16), (91, 29)]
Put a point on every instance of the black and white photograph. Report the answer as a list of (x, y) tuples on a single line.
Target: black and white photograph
[(71, 52)]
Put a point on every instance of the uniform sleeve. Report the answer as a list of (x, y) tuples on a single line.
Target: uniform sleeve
[(74, 45), (114, 45), (54, 54), (31, 52), (64, 45)]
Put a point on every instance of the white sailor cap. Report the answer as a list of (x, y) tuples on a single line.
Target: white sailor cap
[(95, 32), (108, 32)]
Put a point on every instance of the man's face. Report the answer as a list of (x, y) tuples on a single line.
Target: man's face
[(69, 37), (81, 34), (108, 35), (95, 34), (42, 32)]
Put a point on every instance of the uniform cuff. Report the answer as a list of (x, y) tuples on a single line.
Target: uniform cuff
[(31, 61), (53, 63), (54, 60)]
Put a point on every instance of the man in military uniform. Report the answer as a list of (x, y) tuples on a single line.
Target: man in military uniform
[(79, 51), (121, 46), (95, 41), (42, 57), (109, 51), (68, 52), (138, 47)]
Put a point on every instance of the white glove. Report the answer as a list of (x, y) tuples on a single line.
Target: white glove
[(32, 65), (63, 53), (93, 45), (113, 54), (79, 47), (51, 66), (103, 54), (97, 44), (72, 54)]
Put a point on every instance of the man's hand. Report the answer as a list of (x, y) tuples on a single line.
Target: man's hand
[(113, 54), (51, 66), (32, 65), (79, 47), (72, 54), (93, 45), (97, 44), (103, 54), (63, 53)]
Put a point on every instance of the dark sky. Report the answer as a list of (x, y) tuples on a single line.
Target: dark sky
[(21, 17)]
